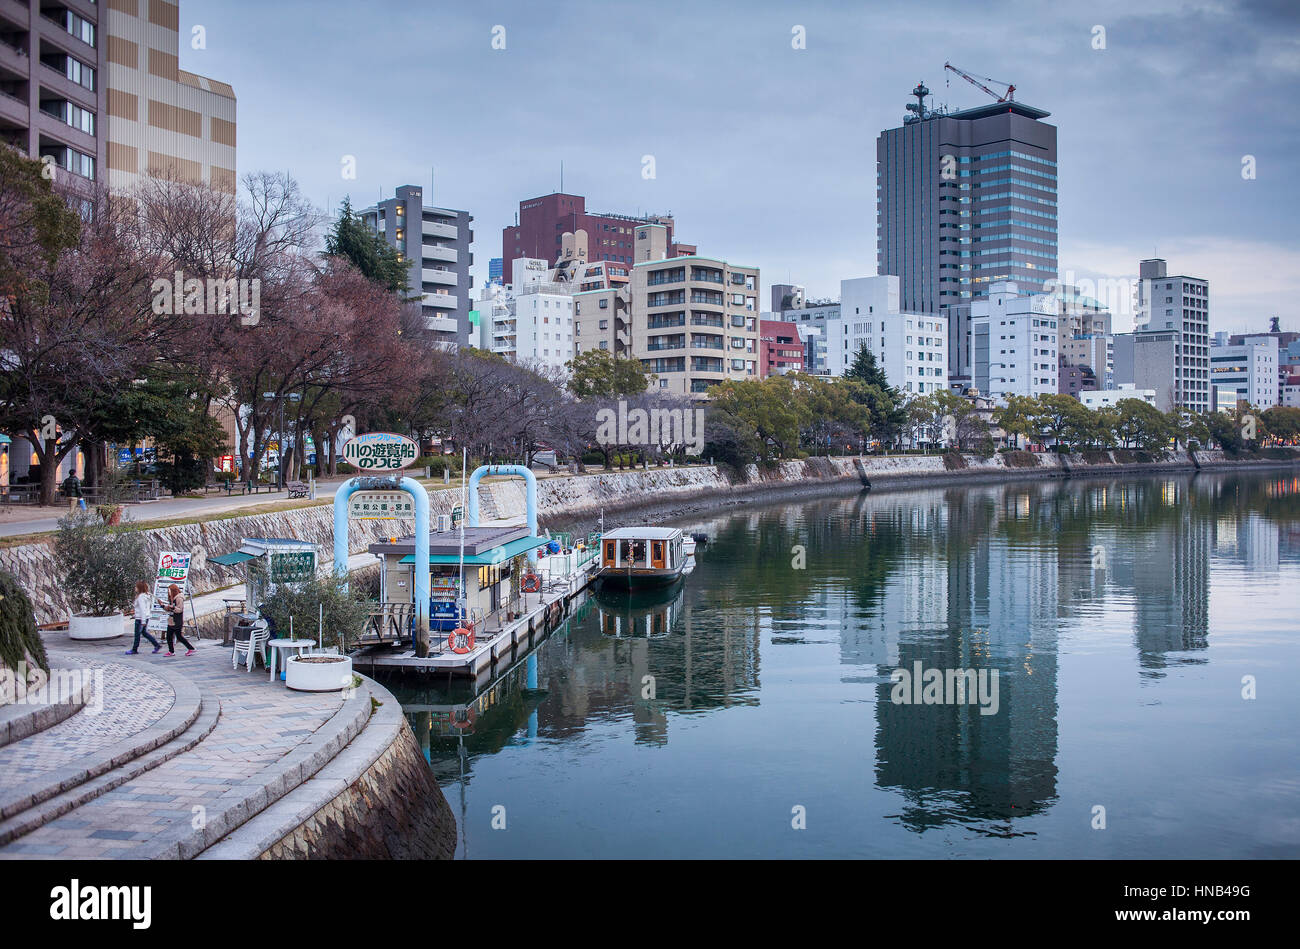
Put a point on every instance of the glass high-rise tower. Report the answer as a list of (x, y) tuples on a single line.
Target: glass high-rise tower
[(964, 199)]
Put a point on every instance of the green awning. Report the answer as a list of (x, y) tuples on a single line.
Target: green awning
[(488, 557), (229, 560)]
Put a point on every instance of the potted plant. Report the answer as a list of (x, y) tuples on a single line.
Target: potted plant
[(322, 609), (111, 513), (98, 567)]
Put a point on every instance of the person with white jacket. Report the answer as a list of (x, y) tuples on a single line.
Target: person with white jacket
[(143, 605)]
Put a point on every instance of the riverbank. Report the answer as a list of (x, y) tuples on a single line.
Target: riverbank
[(579, 501)]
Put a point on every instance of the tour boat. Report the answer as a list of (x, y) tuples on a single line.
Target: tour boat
[(641, 556)]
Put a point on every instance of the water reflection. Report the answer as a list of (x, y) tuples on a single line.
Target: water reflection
[(992, 577)]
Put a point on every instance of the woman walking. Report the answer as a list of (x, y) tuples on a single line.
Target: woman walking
[(143, 604), (175, 605)]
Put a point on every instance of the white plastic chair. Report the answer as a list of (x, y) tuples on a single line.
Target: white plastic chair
[(252, 648)]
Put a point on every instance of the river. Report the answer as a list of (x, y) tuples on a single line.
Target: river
[(1133, 655)]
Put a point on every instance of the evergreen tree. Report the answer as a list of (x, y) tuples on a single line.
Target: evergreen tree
[(888, 418), (864, 369), (378, 260)]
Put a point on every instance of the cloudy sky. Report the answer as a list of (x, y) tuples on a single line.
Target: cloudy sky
[(765, 153)]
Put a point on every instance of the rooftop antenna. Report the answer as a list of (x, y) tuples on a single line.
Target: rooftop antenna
[(561, 176), (917, 108)]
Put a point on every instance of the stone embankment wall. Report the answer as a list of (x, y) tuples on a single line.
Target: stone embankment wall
[(567, 500), (393, 811)]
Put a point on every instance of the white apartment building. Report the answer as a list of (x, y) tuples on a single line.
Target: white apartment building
[(1249, 368), (911, 348), (1178, 306), (532, 319), (1103, 398), (1015, 348)]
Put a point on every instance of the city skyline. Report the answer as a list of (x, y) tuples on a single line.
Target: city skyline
[(1136, 181)]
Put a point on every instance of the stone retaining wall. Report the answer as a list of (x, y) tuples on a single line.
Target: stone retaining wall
[(394, 811), (566, 500)]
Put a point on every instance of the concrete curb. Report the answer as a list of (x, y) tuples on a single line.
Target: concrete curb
[(185, 709), (244, 801), (35, 817), (296, 808)]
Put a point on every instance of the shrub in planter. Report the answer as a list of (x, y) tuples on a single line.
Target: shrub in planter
[(345, 615), (98, 566)]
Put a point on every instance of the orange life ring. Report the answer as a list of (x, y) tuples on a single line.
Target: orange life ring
[(459, 633), (467, 721), (532, 583)]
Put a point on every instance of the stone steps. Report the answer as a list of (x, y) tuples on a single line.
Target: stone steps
[(18, 797), (245, 801), (125, 766)]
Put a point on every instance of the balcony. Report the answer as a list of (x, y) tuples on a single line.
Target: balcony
[(441, 324), (434, 229), (14, 110), (52, 79), (15, 12), (445, 301), (447, 255), (14, 59), (707, 342), (445, 277)]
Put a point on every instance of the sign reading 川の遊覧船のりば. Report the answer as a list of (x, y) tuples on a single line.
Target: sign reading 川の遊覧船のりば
[(380, 505), (380, 451)]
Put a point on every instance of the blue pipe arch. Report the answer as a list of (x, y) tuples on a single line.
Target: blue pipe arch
[(421, 499), (530, 492)]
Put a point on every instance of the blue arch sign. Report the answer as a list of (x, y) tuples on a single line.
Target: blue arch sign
[(421, 499)]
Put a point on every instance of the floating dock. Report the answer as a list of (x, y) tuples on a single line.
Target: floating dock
[(497, 642)]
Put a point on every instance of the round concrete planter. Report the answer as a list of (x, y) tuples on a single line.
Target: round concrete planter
[(97, 627), (318, 676)]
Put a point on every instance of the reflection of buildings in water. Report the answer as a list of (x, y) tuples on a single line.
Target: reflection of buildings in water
[(999, 612), (708, 659), (1249, 538), (1171, 556)]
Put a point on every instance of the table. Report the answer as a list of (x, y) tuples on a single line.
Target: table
[(299, 646)]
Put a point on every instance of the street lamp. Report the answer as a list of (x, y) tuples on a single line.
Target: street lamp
[(280, 400)]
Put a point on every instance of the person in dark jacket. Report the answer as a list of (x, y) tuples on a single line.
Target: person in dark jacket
[(175, 606)]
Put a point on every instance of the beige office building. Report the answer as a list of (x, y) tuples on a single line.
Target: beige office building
[(161, 119), (694, 320)]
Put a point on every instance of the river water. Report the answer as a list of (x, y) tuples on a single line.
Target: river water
[(1143, 632)]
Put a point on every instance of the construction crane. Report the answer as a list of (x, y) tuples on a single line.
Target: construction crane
[(1009, 96)]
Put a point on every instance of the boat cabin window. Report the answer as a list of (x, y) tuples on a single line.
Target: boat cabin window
[(633, 551)]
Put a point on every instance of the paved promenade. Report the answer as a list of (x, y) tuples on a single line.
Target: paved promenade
[(182, 751)]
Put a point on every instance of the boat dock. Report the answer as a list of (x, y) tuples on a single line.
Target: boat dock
[(497, 637)]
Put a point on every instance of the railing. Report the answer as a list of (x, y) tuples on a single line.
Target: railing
[(391, 622), (133, 492)]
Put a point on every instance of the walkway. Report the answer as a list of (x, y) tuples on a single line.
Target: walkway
[(236, 742)]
